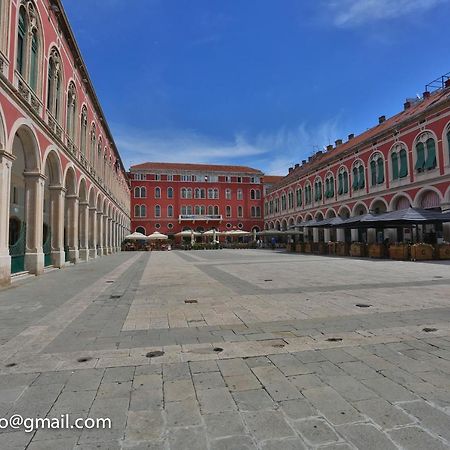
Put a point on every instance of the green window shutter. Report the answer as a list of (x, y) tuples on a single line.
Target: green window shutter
[(380, 164), (345, 183), (420, 162), (355, 184), (34, 62), (331, 187), (21, 42), (373, 172), (362, 180), (327, 188), (340, 184), (394, 162), (431, 158), (319, 191), (403, 163)]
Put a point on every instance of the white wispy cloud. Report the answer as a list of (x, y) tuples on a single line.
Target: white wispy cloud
[(348, 13), (271, 151)]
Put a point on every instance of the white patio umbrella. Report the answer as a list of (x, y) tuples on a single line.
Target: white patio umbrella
[(157, 236), (238, 233), (187, 233), (136, 237)]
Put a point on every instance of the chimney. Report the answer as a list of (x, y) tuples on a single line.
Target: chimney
[(351, 136), (310, 158), (426, 95), (329, 148), (447, 83), (381, 119), (319, 152), (297, 165), (291, 169), (338, 142), (303, 161), (407, 105)]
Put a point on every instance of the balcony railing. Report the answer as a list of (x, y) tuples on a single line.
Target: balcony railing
[(27, 94), (195, 217)]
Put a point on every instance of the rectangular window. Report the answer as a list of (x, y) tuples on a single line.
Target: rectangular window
[(169, 177), (239, 180), (157, 177)]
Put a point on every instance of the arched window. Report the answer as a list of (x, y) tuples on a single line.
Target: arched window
[(93, 147), (290, 200), (239, 194), (448, 143), (71, 111), (140, 230), (399, 162), (143, 211), (228, 211), (54, 83), (137, 192), (28, 42), (298, 194), (83, 131), (253, 211), (308, 195), (210, 210), (170, 211), (252, 194), (377, 169), (228, 194), (318, 190), (258, 211), (157, 211), (216, 210), (183, 193), (169, 192), (210, 193), (189, 192), (143, 192), (329, 186), (240, 211), (359, 178), (425, 153), (283, 202), (157, 192), (137, 211), (342, 181)]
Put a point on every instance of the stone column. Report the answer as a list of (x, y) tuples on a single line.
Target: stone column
[(57, 196), (84, 230), (315, 234), (110, 237), (105, 235), (340, 235), (34, 219), (92, 232), (100, 233), (6, 161), (72, 227)]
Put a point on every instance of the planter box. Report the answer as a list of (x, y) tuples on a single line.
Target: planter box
[(443, 251), (399, 252), (299, 247), (376, 250), (358, 250), (342, 249), (308, 247), (421, 252), (332, 248)]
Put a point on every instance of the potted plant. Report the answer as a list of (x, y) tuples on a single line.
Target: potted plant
[(332, 248), (376, 250)]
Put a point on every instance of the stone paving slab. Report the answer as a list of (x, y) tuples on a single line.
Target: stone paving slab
[(287, 364)]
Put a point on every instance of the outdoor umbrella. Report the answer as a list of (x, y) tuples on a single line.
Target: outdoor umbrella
[(187, 233), (410, 216), (136, 237), (361, 221), (156, 236)]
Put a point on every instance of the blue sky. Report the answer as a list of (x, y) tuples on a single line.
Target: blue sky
[(263, 83)]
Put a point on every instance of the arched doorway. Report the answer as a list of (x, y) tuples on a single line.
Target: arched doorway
[(25, 247), (53, 213)]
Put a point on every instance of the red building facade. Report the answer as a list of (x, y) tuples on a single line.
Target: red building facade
[(172, 197), (403, 161), (64, 193)]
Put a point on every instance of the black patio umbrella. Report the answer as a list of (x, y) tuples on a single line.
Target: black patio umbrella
[(410, 216), (361, 221)]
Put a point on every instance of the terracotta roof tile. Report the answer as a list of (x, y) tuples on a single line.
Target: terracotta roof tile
[(193, 167), (269, 179)]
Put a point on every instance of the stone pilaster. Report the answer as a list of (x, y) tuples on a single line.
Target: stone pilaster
[(57, 197), (72, 227), (100, 233), (34, 219), (92, 232), (6, 161), (83, 208)]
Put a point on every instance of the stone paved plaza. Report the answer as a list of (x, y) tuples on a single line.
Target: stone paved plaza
[(230, 349)]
